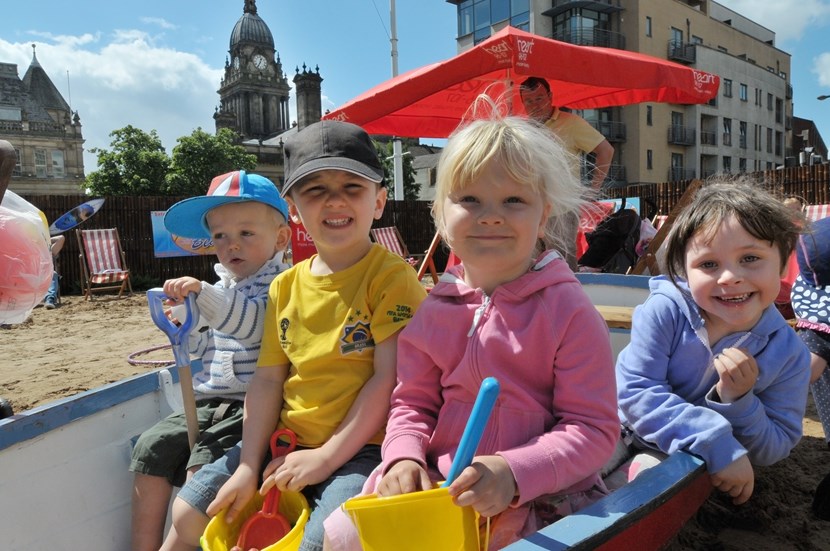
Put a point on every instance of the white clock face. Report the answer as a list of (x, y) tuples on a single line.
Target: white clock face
[(260, 62)]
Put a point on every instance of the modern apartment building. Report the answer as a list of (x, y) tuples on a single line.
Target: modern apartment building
[(747, 127)]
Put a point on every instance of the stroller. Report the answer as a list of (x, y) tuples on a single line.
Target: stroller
[(612, 244)]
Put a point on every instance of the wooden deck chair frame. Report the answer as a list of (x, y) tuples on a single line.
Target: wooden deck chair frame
[(649, 259), (391, 238), (103, 263)]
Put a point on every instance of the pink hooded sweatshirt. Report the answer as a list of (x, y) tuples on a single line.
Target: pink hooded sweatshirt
[(555, 421)]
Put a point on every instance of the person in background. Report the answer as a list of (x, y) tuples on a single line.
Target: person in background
[(579, 137), (247, 220), (53, 294), (811, 303), (712, 368), (327, 365), (500, 180)]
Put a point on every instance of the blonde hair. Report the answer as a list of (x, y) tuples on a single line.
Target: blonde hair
[(529, 153), (762, 215)]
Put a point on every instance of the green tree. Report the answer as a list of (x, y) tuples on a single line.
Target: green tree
[(410, 188), (135, 164), (201, 156)]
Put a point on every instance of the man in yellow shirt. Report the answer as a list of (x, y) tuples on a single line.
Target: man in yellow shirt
[(579, 137)]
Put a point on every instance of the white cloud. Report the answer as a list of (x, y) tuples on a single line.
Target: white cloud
[(821, 67), (787, 18), (124, 79), (161, 22)]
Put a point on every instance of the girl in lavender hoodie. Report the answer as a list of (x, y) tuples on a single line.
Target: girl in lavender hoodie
[(510, 313)]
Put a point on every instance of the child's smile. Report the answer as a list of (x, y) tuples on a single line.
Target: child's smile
[(733, 277)]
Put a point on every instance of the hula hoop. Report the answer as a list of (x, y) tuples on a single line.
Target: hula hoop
[(131, 359)]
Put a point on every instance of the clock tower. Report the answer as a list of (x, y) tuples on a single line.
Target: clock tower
[(254, 92)]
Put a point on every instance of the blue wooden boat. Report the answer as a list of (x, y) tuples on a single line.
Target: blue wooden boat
[(65, 483)]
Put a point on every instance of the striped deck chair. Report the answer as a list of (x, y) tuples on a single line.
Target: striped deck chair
[(103, 264), (391, 238)]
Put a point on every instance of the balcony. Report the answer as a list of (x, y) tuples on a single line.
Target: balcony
[(616, 176), (677, 173), (601, 6), (708, 138), (614, 131), (590, 36), (681, 135), (789, 92), (682, 52)]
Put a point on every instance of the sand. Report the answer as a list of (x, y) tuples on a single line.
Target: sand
[(85, 344)]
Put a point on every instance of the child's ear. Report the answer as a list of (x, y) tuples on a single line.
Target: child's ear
[(544, 222), (283, 237), (380, 201), (293, 213)]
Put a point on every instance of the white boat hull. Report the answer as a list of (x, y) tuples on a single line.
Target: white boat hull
[(65, 482)]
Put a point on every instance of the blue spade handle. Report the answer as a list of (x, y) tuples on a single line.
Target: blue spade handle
[(178, 334), (482, 408)]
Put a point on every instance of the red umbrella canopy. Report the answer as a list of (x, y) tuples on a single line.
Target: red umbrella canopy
[(431, 101)]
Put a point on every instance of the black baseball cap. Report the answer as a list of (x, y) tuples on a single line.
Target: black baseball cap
[(330, 145)]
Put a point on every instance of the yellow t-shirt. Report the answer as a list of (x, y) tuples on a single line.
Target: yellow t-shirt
[(326, 328), (578, 136)]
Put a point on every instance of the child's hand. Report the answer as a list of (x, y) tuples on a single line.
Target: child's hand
[(737, 479), (404, 477), (177, 289), (295, 471), (488, 485), (234, 494), (738, 373)]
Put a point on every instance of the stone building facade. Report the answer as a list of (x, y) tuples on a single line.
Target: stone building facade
[(44, 131)]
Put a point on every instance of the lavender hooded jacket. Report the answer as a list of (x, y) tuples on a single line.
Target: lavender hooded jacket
[(555, 421)]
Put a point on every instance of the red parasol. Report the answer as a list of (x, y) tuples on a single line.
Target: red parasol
[(432, 100)]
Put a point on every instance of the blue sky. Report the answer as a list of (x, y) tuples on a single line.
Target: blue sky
[(157, 64)]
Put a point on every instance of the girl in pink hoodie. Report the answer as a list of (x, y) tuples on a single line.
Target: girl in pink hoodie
[(512, 313)]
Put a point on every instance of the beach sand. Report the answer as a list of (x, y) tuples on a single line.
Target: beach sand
[(85, 344)]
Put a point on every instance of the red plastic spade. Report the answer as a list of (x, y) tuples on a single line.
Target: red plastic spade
[(268, 526)]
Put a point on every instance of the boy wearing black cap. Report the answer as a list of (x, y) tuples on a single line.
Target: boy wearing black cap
[(247, 220), (327, 365)]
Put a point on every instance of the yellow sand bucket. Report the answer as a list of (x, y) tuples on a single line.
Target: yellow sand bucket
[(221, 536), (414, 522)]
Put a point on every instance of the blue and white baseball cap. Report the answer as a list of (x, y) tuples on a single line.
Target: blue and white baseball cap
[(187, 218)]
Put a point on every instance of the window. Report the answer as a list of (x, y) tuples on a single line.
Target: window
[(57, 164), (769, 102), (499, 11), (465, 18), (759, 97), (742, 165), (742, 134), (727, 131), (10, 114), (649, 159), (40, 163), (696, 40), (727, 88), (476, 16), (17, 170), (649, 115), (769, 140), (727, 164), (648, 25), (744, 92)]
